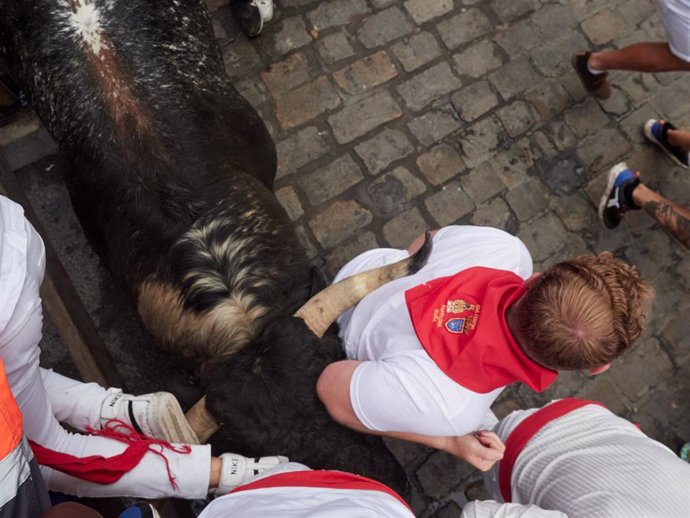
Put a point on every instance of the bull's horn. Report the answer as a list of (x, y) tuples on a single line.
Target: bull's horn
[(201, 421), (320, 311)]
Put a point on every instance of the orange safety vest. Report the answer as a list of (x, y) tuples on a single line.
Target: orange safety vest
[(10, 417)]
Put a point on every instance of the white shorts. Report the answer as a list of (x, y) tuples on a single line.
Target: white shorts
[(676, 17)]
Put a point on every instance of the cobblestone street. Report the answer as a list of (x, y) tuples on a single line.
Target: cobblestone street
[(395, 116)]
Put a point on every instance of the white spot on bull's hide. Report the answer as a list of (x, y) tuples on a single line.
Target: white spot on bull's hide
[(87, 22)]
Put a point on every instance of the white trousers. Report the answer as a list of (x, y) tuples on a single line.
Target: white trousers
[(78, 403)]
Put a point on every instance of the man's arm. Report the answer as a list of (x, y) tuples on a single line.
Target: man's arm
[(481, 449)]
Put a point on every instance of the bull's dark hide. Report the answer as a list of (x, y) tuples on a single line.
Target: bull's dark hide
[(170, 172)]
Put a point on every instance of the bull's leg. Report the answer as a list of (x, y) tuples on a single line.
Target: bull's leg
[(252, 15)]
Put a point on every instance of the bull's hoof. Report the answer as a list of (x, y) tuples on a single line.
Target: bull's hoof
[(249, 17)]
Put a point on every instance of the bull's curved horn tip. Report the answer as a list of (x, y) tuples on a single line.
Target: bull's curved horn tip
[(421, 256)]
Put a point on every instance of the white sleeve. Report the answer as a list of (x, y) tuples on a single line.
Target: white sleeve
[(20, 354), (492, 509), (408, 393)]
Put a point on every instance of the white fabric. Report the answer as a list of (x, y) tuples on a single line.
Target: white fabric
[(305, 502), (492, 509), (398, 387), (590, 463), (22, 264), (676, 17)]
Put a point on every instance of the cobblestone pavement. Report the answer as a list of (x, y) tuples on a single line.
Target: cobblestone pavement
[(392, 116)]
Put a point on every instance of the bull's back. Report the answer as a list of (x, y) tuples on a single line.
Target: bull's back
[(162, 152)]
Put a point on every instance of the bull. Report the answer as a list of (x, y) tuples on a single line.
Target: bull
[(170, 172)]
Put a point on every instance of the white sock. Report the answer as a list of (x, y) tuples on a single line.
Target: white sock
[(594, 70)]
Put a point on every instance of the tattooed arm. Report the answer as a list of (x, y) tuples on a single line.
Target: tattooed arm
[(675, 219)]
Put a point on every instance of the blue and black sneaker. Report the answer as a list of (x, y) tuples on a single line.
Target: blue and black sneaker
[(656, 132), (617, 197)]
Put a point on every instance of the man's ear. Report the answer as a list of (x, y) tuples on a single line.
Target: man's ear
[(530, 280), (598, 370)]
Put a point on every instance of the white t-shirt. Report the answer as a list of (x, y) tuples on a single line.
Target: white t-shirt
[(305, 502), (590, 463), (398, 387)]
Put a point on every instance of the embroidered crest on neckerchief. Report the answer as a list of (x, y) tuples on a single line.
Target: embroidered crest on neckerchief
[(457, 316)]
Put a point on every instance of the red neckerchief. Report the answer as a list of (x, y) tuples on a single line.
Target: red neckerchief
[(527, 429), (323, 479), (461, 322), (108, 470)]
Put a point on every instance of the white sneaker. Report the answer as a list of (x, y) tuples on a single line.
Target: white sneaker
[(237, 470), (265, 9), (156, 415)]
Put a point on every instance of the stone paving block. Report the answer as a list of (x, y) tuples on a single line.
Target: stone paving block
[(565, 176), (463, 28), (509, 10), (575, 211), (477, 60), (380, 4), (517, 117), (479, 140), (291, 35), (442, 473), (253, 90), (634, 12), (362, 116), (287, 74), (665, 102), (633, 122), (638, 87), (514, 164), (417, 50), (339, 221), (393, 190), (306, 103), (518, 37), (528, 199), (336, 12), (647, 366), (604, 149), (386, 147), (604, 27), (366, 73), (409, 454), (28, 148), (440, 164), (568, 384), (560, 135), (474, 101), (573, 245), (553, 60), (330, 180), (651, 252), (449, 204), (428, 86), (424, 10), (618, 104), (306, 241), (362, 242), (290, 201), (676, 335), (515, 77), (240, 59), (482, 182), (601, 389), (24, 123), (544, 237), (433, 126), (404, 228), (549, 98), (334, 47), (300, 149), (494, 213), (383, 27), (554, 19), (670, 296)]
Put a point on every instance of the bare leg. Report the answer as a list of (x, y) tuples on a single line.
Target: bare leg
[(675, 219), (679, 138), (641, 57)]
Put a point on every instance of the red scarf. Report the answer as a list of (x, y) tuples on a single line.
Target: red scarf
[(108, 470), (321, 478), (461, 323)]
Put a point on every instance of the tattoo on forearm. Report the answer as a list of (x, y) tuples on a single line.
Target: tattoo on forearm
[(675, 222)]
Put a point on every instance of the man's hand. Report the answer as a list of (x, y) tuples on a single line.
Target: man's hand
[(481, 449)]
